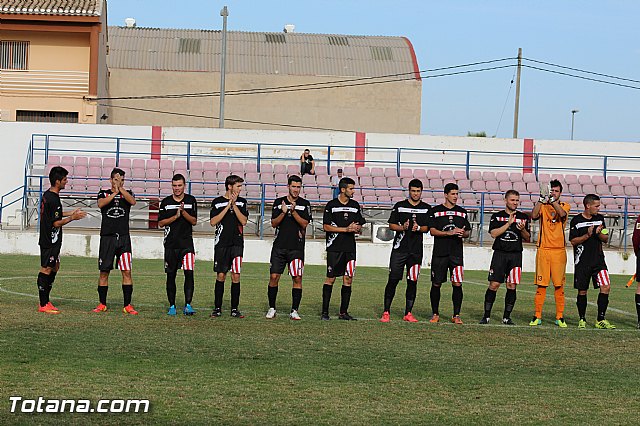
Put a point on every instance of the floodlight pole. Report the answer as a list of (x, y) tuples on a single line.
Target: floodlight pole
[(516, 110), (223, 63), (573, 116)]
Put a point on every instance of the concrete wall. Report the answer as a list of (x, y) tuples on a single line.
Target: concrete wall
[(385, 108)]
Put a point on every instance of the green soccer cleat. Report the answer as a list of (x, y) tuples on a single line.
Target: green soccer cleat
[(535, 322), (605, 325), (582, 324), (561, 323)]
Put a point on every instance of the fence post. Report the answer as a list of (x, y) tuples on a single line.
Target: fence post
[(624, 226), (481, 230), (398, 161), (46, 149), (189, 155), (604, 167), (467, 165), (329, 160), (117, 151), (262, 200), (537, 164), (258, 159)]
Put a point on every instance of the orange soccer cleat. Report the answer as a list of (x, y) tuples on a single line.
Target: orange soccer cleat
[(129, 310)]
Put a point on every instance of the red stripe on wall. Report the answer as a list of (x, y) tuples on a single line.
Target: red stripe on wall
[(527, 156), (156, 142), (361, 141)]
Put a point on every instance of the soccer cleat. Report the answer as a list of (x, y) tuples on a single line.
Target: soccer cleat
[(508, 321), (100, 308), (129, 310), (582, 323), (172, 310), (535, 322), (385, 317), (484, 320), (409, 318), (50, 306), (235, 313), (605, 325), (217, 312), (271, 313), (47, 310), (456, 319), (434, 318), (639, 325), (346, 317), (188, 310), (325, 316), (294, 315), (561, 323)]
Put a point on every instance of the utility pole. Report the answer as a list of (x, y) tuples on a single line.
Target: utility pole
[(223, 63), (517, 107)]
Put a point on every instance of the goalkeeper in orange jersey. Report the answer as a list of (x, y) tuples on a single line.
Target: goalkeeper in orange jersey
[(551, 257), (636, 249)]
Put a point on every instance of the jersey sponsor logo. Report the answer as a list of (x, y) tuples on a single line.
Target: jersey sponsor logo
[(410, 210), (509, 236), (588, 224), (506, 219), (289, 206), (177, 206), (115, 213), (449, 213), (344, 209)]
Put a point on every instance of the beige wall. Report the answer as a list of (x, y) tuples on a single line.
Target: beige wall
[(381, 108), (53, 50)]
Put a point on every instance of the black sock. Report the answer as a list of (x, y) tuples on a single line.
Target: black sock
[(272, 294), (603, 302), (43, 285), (52, 278), (456, 297), (434, 296), (410, 296), (102, 293), (489, 298), (189, 287), (345, 296), (235, 295), (509, 302), (218, 292), (581, 303), (127, 291), (326, 297), (638, 306), (296, 297), (171, 288), (389, 292)]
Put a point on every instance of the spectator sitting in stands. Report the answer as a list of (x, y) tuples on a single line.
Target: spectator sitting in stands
[(334, 183), (307, 165)]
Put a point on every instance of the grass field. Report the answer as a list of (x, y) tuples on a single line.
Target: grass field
[(255, 371)]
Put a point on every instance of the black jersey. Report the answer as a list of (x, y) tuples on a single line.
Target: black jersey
[(115, 215), (306, 164), (511, 239), (178, 234), (50, 211), (289, 235), (445, 219), (229, 231), (590, 252), (342, 215), (409, 241)]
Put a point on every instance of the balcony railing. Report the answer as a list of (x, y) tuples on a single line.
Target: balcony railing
[(41, 81)]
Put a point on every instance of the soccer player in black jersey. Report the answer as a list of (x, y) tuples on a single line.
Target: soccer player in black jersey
[(115, 242), (448, 225), (587, 232), (229, 215), (290, 216), (409, 219), (52, 219), (178, 215), (341, 221), (508, 227)]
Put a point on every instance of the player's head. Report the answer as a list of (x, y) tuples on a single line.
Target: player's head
[(339, 171), (556, 188), (346, 186), (415, 189), (512, 199), (591, 204), (58, 177), (233, 183), (178, 183), (306, 153), (117, 175), (451, 193), (295, 185)]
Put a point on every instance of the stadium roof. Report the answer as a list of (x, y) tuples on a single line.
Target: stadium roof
[(52, 7), (261, 53)]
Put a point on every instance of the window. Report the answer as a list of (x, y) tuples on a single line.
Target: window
[(275, 38), (47, 116), (381, 53), (338, 41), (189, 45), (14, 55)]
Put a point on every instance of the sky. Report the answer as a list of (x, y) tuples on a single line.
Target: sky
[(599, 36)]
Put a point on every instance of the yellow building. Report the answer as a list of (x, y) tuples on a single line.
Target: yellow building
[(52, 60)]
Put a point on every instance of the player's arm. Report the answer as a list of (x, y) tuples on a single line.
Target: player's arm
[(562, 213), (302, 222), (535, 214), (191, 219), (216, 219), (169, 220), (278, 214), (635, 239), (127, 196), (496, 232), (239, 214), (576, 240), (438, 233), (68, 217), (397, 227), (526, 235), (103, 201)]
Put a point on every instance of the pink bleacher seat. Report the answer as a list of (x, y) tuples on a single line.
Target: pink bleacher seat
[(464, 185), (379, 181), (396, 193), (183, 172), (397, 199), (308, 180), (571, 179), (370, 201), (123, 162), (447, 175), (138, 190), (325, 191), (293, 169), (631, 191), (598, 180), (54, 160), (405, 181), (478, 185), (636, 181), (521, 187), (196, 165), (153, 173), (488, 176), (349, 171), (582, 179), (439, 200), (495, 197), (280, 178), (382, 192), (588, 188), (603, 189), (209, 165), (81, 161), (323, 180), (525, 197), (492, 186), (253, 177), (210, 189), (366, 181), (266, 168), (210, 176), (253, 191), (152, 164), (96, 172), (252, 168), (279, 169), (138, 173), (67, 161), (390, 172), (505, 186), (613, 180), (558, 176), (460, 175), (266, 178), (533, 187), (92, 188), (544, 177), (197, 189), (363, 171), (368, 192), (419, 173), (394, 182), (281, 191), (80, 172), (166, 174), (515, 177), (334, 170), (433, 174), (475, 175), (95, 162), (108, 164), (138, 163), (223, 166), (384, 201), (626, 181), (617, 190), (408, 173), (502, 177), (574, 188), (529, 177), (436, 183), (377, 171)]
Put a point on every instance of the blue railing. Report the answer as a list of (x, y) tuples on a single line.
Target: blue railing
[(4, 205)]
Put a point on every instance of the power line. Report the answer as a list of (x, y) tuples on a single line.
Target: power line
[(505, 103), (582, 71), (582, 77)]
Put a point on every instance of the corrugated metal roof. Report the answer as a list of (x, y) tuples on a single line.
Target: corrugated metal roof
[(259, 53), (52, 7)]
